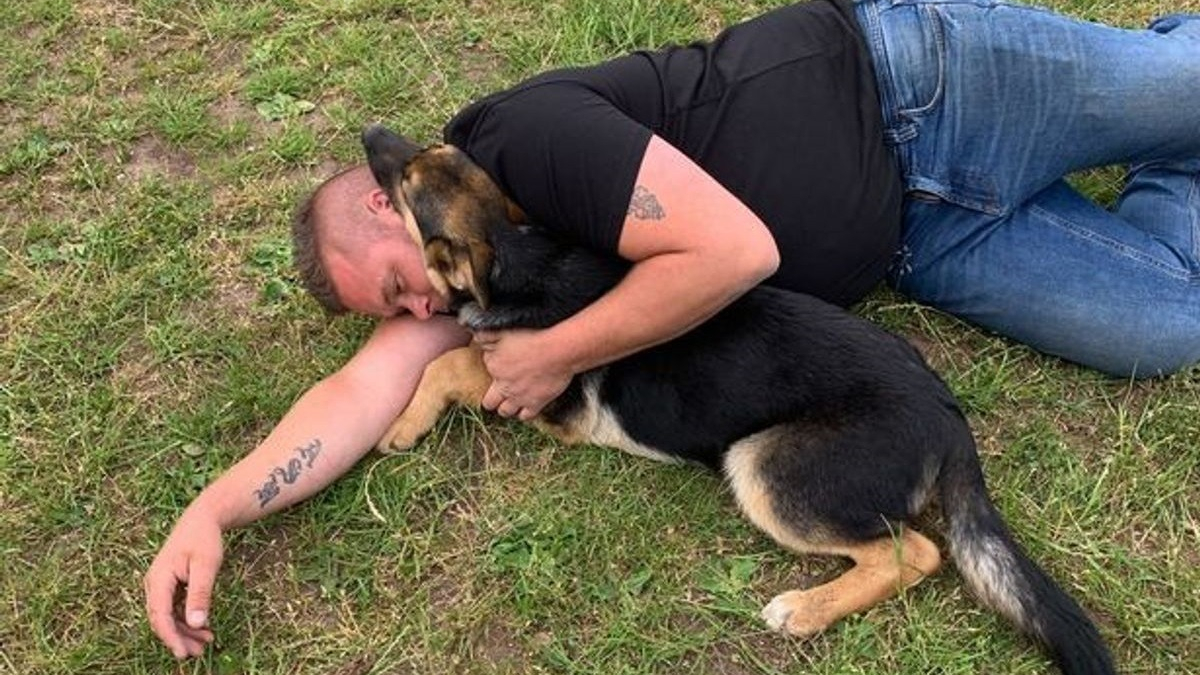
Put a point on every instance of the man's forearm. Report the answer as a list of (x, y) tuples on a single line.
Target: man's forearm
[(659, 300), (332, 425), (323, 435)]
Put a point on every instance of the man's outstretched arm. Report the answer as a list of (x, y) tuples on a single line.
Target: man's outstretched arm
[(321, 437)]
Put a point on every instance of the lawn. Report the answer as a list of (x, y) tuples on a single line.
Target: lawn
[(151, 152)]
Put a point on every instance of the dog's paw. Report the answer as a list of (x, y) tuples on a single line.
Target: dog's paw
[(798, 613), (402, 435)]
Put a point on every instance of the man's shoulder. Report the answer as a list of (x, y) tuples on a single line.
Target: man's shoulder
[(626, 82)]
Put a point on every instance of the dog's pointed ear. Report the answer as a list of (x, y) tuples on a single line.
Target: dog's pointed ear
[(387, 154), (461, 267), (516, 214)]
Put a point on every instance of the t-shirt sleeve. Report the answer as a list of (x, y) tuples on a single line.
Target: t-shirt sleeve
[(565, 154)]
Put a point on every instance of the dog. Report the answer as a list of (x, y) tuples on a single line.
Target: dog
[(832, 433)]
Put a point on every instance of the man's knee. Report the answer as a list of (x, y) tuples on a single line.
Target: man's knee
[(1147, 356)]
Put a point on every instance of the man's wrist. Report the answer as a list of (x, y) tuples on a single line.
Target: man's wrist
[(563, 350), (210, 507)]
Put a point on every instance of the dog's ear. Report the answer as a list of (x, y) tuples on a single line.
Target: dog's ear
[(516, 214), (461, 267), (387, 154)]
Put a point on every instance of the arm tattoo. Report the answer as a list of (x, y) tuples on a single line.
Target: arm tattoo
[(303, 459), (643, 205)]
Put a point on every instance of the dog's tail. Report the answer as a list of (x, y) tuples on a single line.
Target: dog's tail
[(1000, 573)]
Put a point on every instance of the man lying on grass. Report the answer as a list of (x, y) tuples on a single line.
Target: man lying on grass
[(823, 147)]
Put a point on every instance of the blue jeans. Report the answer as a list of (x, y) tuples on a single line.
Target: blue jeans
[(987, 106)]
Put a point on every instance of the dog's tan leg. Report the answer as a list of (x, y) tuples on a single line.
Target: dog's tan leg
[(458, 376), (882, 568)]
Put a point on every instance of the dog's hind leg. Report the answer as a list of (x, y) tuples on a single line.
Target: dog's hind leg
[(458, 376), (882, 568), (883, 565)]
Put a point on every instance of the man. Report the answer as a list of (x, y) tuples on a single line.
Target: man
[(788, 151)]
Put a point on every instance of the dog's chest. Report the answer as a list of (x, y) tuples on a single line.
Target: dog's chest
[(593, 422)]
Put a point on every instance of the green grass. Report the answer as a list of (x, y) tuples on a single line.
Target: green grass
[(152, 331)]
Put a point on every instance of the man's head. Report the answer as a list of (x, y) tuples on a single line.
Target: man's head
[(353, 251)]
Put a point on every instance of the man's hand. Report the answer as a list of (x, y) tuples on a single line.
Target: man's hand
[(190, 558), (525, 374)]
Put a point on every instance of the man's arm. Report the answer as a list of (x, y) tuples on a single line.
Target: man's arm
[(321, 437), (696, 248)]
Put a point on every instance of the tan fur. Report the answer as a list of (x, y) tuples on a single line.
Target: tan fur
[(882, 568), (410, 221), (458, 376), (457, 254)]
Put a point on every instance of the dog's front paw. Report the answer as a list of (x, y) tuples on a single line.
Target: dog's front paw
[(402, 435)]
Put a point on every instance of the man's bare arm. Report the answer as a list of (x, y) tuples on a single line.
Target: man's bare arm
[(321, 437)]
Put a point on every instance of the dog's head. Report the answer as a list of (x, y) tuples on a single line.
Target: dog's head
[(451, 202)]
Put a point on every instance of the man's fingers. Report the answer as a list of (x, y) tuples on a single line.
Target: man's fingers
[(201, 576), (485, 339), (160, 593), (192, 646), (527, 414), (204, 635), (194, 640), (496, 400), (493, 398)]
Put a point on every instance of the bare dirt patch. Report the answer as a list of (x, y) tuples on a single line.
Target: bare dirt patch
[(229, 111), (150, 158), (137, 375)]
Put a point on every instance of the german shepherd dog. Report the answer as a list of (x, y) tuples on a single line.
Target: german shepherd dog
[(832, 433)]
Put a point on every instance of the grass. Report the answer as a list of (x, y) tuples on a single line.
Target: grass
[(150, 154)]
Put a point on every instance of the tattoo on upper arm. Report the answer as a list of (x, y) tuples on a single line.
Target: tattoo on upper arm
[(643, 205), (303, 459)]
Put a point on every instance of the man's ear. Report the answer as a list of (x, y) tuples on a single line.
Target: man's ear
[(378, 200), (461, 267), (387, 154)]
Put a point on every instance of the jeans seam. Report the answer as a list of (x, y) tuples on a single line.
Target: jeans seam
[(1193, 200), (1115, 246), (873, 34), (933, 19)]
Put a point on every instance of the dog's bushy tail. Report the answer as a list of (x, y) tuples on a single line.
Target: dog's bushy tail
[(1006, 580)]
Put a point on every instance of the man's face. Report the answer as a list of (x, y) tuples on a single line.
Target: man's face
[(383, 275)]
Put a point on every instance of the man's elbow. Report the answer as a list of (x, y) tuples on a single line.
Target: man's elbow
[(759, 258), (769, 260)]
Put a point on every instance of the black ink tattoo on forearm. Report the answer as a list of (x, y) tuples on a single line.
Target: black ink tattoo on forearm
[(288, 473), (643, 205)]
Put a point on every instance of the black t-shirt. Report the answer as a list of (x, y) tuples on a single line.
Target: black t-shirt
[(782, 110)]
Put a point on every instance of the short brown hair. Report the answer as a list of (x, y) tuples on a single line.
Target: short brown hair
[(307, 235)]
